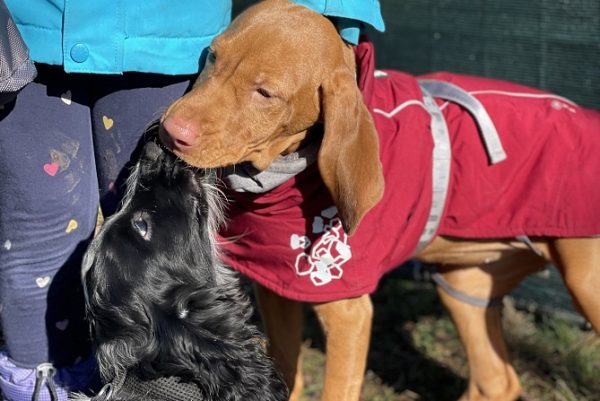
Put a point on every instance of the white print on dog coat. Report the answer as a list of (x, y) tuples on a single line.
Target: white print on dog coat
[(324, 262)]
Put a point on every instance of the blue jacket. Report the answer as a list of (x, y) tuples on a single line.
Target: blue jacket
[(158, 36)]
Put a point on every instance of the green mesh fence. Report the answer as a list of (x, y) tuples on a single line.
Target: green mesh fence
[(550, 44)]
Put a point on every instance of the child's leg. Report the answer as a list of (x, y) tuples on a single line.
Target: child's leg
[(126, 105), (48, 203)]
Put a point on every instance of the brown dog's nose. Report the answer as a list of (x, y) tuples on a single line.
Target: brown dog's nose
[(182, 136)]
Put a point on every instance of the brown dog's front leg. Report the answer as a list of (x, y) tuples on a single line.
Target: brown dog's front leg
[(283, 319), (347, 328)]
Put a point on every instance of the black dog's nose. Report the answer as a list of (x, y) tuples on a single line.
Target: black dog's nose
[(152, 151)]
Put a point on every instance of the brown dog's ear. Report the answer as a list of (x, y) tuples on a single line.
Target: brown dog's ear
[(349, 155)]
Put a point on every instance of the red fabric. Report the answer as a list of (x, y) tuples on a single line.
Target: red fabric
[(549, 183), (289, 240)]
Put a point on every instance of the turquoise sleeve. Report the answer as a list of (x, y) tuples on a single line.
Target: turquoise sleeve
[(351, 15)]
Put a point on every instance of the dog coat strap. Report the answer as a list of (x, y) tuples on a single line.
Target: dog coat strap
[(453, 93), (525, 239), (461, 296), (427, 273), (442, 156)]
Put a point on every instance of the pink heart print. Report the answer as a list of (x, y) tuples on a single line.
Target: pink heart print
[(51, 168)]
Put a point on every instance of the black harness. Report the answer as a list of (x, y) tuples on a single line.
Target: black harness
[(161, 389)]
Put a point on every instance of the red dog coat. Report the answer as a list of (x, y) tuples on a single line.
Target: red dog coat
[(289, 239)]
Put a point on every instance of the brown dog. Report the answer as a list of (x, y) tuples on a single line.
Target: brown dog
[(275, 75)]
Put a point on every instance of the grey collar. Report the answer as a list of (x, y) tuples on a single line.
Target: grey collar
[(244, 177)]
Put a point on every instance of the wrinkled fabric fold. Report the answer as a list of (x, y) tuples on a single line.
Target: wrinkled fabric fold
[(16, 68)]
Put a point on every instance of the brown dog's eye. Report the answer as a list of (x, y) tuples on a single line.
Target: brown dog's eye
[(264, 93), (211, 57)]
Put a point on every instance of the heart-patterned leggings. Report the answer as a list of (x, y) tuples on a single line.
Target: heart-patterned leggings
[(65, 142)]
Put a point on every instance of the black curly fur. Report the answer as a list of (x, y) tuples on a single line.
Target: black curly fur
[(160, 303)]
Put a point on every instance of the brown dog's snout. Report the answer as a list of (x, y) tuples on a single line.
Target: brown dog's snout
[(178, 134)]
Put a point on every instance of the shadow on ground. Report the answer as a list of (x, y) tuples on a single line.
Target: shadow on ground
[(395, 362)]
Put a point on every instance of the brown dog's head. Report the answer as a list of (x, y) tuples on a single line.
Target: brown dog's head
[(279, 70)]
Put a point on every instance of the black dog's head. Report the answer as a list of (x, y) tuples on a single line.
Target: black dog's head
[(159, 301)]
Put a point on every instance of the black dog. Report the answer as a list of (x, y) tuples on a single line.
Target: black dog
[(169, 321)]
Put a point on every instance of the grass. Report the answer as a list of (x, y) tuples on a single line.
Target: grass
[(416, 355)]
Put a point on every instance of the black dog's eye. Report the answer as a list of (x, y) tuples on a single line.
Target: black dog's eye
[(141, 225)]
